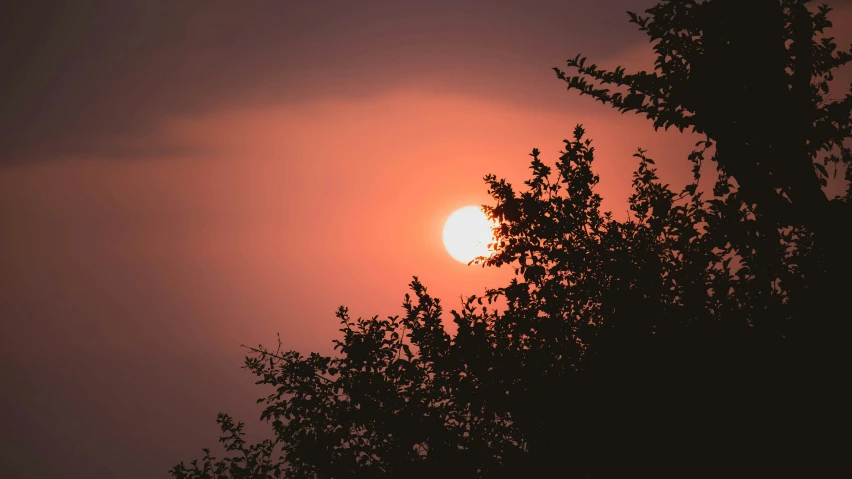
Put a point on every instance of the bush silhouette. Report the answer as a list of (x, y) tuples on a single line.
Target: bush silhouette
[(704, 335)]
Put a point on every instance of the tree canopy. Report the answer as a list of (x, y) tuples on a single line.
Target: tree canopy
[(701, 334)]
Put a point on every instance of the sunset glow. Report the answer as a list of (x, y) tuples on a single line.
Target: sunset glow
[(182, 178)]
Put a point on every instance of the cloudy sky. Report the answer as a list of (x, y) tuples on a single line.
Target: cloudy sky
[(178, 178)]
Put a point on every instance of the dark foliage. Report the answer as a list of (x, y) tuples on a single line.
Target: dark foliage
[(702, 336)]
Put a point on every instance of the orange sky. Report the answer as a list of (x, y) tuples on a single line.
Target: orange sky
[(148, 231)]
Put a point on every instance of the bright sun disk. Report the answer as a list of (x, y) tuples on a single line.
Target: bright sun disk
[(467, 234)]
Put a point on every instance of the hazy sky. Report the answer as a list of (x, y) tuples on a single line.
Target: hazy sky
[(181, 177)]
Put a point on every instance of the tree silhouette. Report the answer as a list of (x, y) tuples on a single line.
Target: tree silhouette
[(694, 338)]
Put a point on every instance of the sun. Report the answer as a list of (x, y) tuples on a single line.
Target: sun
[(467, 234)]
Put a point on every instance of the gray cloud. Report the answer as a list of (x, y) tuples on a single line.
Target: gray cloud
[(82, 77)]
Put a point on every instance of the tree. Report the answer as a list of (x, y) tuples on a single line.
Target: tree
[(670, 342), (754, 77)]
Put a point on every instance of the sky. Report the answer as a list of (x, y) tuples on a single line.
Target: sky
[(181, 178)]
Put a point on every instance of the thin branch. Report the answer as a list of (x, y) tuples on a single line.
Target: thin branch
[(282, 358)]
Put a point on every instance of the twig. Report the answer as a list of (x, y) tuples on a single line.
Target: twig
[(282, 358)]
